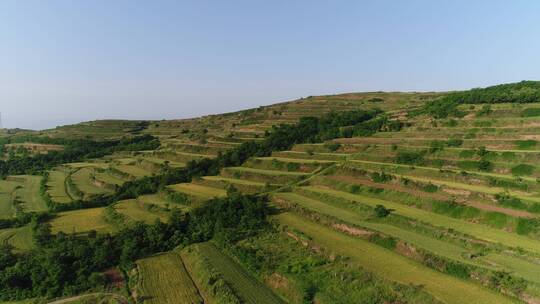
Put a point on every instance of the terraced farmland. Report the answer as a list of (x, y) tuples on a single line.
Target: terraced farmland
[(81, 221), (406, 208), (245, 286), (163, 279)]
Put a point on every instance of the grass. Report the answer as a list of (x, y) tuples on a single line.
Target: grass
[(248, 288), (163, 279), (30, 195), (393, 266), (298, 160), (110, 179), (81, 221), (7, 187), (349, 216), (265, 172), (83, 181), (234, 181), (479, 231), (56, 185), (135, 212), (198, 190), (133, 170), (19, 238)]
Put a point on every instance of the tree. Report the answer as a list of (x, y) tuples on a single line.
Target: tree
[(381, 211)]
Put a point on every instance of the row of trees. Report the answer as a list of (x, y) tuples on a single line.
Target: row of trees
[(521, 92)]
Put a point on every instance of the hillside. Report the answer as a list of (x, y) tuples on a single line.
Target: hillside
[(351, 198)]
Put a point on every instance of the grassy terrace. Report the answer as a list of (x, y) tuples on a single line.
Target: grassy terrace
[(163, 279), (390, 265), (198, 190), (519, 267), (134, 211), (81, 221), (57, 188), (476, 230)]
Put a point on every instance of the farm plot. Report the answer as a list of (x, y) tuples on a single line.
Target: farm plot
[(29, 193), (56, 187), (19, 238), (81, 221), (500, 262), (264, 176), (392, 266), (198, 191), (163, 279), (479, 231), (133, 170), (84, 181), (248, 288), (7, 189), (134, 212)]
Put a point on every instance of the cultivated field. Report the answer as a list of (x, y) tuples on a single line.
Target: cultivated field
[(163, 279)]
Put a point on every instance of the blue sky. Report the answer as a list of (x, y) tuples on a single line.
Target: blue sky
[(67, 61)]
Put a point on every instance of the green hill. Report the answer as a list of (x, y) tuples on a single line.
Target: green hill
[(351, 198)]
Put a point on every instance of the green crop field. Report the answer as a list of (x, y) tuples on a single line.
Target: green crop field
[(246, 286), (83, 181), (198, 190), (134, 211), (133, 170), (29, 194), (163, 279), (19, 238), (56, 187), (7, 189), (81, 221)]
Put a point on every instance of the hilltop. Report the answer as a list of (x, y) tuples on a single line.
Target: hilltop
[(351, 198)]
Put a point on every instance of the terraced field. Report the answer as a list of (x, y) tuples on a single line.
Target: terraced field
[(135, 211), (19, 238), (245, 286), (385, 263), (163, 279), (445, 206), (81, 221), (57, 188)]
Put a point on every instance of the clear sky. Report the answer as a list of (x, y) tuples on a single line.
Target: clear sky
[(67, 61)]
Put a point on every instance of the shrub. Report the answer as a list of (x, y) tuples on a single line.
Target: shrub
[(436, 146), (485, 165), (482, 151), (530, 112), (523, 169), (467, 153), (381, 211), (430, 188), (508, 201), (380, 177), (526, 144), (333, 147), (486, 110), (454, 142), (410, 158)]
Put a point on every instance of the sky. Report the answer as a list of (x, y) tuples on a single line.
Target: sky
[(63, 62)]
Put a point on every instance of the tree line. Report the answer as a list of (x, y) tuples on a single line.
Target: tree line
[(521, 92)]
